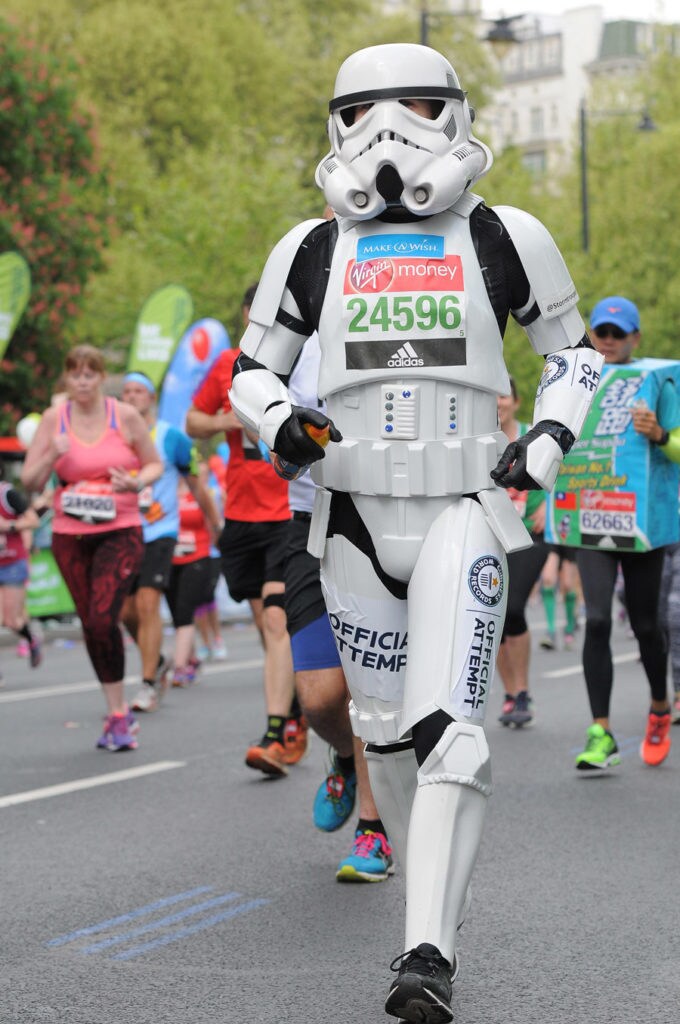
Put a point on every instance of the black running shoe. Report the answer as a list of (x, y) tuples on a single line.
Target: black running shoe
[(421, 992)]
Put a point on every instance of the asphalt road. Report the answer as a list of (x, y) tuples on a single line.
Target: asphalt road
[(186, 889)]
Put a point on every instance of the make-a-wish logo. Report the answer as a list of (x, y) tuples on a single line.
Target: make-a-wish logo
[(374, 246)]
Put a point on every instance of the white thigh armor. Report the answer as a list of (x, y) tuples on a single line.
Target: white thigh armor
[(450, 626)]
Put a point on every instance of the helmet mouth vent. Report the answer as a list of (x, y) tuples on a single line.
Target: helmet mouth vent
[(388, 136)]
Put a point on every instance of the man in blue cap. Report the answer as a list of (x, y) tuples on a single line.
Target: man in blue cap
[(615, 333)]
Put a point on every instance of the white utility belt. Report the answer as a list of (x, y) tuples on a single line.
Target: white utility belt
[(403, 469)]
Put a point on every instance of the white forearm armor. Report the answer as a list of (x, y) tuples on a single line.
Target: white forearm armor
[(564, 395), (261, 401)]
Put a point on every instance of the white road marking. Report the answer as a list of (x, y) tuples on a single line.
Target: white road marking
[(92, 684), (94, 780), (577, 670)]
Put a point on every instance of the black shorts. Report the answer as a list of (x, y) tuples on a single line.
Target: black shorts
[(188, 589), (156, 564), (252, 554), (215, 569), (304, 600), (564, 553)]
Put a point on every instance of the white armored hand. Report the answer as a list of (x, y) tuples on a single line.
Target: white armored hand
[(565, 393), (531, 463), (302, 436)]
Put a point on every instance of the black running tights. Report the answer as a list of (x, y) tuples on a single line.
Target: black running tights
[(642, 580)]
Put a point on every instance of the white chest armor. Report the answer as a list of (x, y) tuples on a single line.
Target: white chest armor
[(411, 361)]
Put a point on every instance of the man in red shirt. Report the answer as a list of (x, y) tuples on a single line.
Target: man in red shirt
[(253, 545)]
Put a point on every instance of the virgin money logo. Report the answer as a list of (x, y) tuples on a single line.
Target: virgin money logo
[(371, 275)]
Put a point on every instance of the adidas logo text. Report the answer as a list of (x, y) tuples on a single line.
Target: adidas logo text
[(405, 356)]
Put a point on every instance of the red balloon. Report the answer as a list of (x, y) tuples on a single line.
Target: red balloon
[(200, 344)]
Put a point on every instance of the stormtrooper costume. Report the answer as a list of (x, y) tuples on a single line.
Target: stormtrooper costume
[(410, 288)]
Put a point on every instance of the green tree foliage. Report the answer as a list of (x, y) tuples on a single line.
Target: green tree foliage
[(51, 210), (212, 119), (211, 127)]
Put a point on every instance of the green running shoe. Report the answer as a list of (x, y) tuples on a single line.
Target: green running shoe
[(601, 751)]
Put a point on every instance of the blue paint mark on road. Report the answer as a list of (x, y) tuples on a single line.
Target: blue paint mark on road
[(131, 916), (161, 923), (183, 933)]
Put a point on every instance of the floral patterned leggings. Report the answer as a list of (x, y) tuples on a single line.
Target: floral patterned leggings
[(99, 569)]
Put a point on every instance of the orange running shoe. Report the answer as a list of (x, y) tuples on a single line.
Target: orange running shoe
[(657, 742), (269, 756), (295, 739)]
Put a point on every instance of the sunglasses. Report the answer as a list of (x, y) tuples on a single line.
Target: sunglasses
[(608, 329)]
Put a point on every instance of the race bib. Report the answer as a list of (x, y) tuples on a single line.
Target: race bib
[(186, 544), (410, 309), (89, 502)]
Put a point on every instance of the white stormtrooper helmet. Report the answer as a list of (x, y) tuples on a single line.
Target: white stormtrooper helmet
[(392, 155)]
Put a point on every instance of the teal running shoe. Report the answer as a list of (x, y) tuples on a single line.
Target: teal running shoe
[(334, 800), (601, 751), (369, 861)]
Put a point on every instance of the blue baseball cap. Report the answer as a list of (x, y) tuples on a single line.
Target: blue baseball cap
[(618, 311)]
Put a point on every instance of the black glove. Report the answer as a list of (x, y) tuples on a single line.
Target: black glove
[(515, 456), (294, 444)]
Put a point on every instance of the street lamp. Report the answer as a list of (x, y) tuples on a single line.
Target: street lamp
[(501, 35), (646, 125)]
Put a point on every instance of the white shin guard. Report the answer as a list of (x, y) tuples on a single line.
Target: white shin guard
[(445, 831), (394, 780)]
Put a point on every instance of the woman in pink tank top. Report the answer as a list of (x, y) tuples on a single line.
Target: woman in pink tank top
[(103, 455)]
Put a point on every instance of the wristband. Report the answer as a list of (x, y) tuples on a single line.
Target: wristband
[(663, 440)]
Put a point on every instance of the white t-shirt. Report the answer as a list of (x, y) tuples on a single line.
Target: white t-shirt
[(303, 390)]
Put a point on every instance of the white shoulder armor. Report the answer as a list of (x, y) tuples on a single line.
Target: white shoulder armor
[(266, 340), (550, 281), (273, 280)]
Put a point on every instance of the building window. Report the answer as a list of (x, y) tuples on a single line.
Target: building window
[(536, 125), (535, 162)]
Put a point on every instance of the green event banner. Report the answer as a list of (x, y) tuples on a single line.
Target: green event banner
[(15, 288), (163, 320), (47, 593)]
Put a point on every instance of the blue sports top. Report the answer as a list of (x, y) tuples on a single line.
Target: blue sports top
[(158, 503)]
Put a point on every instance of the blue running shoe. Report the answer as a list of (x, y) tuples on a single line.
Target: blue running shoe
[(334, 800), (369, 861)]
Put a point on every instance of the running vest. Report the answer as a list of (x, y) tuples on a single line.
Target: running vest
[(158, 502), (410, 352), (193, 539), (84, 501)]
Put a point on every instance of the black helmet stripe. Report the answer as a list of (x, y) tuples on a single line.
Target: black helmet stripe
[(404, 93)]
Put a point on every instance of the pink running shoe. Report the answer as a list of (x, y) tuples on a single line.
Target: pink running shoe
[(117, 734)]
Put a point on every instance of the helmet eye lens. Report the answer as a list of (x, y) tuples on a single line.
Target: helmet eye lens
[(429, 109), (350, 115)]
